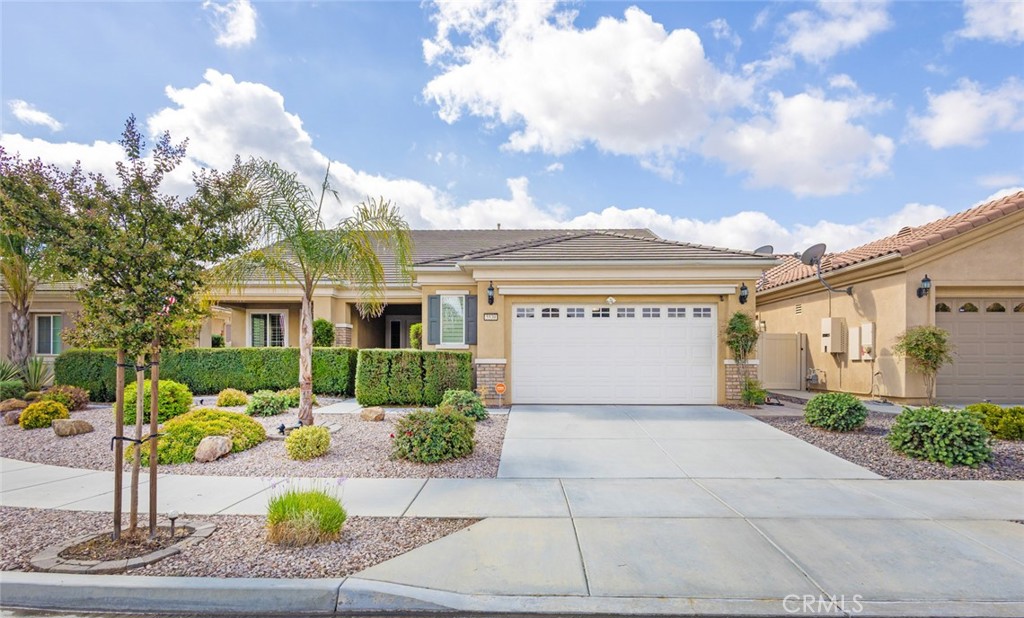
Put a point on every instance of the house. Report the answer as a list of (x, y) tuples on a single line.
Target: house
[(559, 316), (963, 273)]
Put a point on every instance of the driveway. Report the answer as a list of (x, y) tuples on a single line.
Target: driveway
[(635, 442)]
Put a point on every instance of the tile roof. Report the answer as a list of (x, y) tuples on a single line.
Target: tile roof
[(908, 240)]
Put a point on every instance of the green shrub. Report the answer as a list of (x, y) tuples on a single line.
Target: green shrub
[(445, 371), (266, 403), (1002, 423), (753, 393), (405, 378), (12, 389), (61, 398), (432, 436), (79, 397), (416, 336), (217, 341), (9, 371), (173, 399), (291, 397), (951, 437), (741, 336), (307, 442), (93, 370), (37, 374), (304, 517), (466, 403), (230, 397), (835, 412), (323, 333), (182, 434), (42, 414), (32, 395), (372, 370)]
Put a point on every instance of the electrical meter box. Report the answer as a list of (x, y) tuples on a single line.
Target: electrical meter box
[(833, 335), (867, 340)]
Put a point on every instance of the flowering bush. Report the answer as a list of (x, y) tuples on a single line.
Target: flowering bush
[(432, 436)]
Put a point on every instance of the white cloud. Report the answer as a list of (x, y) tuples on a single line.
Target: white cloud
[(966, 115), (554, 167), (1001, 21), (29, 114), (234, 22), (992, 181), (721, 31), (809, 145), (817, 35), (842, 81), (1000, 194)]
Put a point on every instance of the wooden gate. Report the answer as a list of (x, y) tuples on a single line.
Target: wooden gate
[(782, 362)]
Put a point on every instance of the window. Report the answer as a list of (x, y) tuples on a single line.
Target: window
[(524, 312), (702, 312), (677, 312), (48, 329), (549, 312), (942, 308), (266, 330), (601, 312), (968, 308), (453, 320), (625, 312), (995, 308), (574, 312), (651, 312)]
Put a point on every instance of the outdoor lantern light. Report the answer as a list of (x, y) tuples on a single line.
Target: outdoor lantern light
[(744, 293), (490, 294), (926, 284), (172, 516)]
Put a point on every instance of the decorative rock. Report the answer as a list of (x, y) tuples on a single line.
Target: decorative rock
[(11, 417), (65, 427), (372, 414), (12, 404), (213, 447)]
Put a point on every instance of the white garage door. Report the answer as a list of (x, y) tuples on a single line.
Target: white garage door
[(653, 354)]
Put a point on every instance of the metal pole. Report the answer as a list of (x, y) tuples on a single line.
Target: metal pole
[(118, 443)]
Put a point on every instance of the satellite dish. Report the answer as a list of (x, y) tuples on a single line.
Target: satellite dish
[(813, 254), (765, 250)]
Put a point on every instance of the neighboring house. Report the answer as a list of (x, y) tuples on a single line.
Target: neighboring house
[(974, 261), (578, 316)]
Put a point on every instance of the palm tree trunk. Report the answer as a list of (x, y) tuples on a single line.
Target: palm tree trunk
[(133, 506), (21, 348), (306, 361)]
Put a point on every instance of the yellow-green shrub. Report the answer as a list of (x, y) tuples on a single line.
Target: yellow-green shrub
[(230, 397), (183, 434), (307, 442), (173, 399), (41, 414)]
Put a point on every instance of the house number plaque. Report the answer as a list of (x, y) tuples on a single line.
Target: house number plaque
[(490, 317)]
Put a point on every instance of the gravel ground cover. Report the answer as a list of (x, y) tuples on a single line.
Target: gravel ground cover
[(358, 449), (868, 447), (238, 548)]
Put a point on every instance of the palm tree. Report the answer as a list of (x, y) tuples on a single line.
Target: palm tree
[(299, 248), (20, 277)]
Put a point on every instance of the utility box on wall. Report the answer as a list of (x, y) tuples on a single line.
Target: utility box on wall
[(833, 335), (867, 340)]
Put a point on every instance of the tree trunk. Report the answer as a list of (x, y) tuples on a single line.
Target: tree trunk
[(133, 513), (118, 443), (306, 361), (154, 402), (21, 347)]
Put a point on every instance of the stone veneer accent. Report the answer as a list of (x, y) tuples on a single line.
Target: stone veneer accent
[(735, 376), (343, 335), (488, 373)]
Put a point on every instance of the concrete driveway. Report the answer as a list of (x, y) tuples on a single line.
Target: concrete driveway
[(637, 442)]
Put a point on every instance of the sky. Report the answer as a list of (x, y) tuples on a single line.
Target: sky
[(733, 124)]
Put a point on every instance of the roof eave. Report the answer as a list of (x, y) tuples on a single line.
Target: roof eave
[(736, 261), (845, 269)]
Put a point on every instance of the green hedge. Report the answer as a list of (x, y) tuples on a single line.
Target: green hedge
[(410, 377), (207, 371)]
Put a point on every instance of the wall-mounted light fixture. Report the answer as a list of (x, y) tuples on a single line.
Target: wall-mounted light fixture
[(611, 300), (744, 293), (926, 284), (490, 294)]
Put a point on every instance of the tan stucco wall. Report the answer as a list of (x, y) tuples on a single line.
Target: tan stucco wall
[(45, 302)]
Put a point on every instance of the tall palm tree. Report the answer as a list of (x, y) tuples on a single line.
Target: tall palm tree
[(20, 271), (299, 248)]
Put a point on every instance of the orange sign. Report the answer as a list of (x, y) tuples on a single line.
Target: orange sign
[(499, 388)]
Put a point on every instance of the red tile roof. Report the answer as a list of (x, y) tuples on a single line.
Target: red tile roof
[(906, 241)]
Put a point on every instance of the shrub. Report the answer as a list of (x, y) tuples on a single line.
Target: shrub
[(12, 389), (1002, 423), (835, 412), (323, 333), (466, 403), (416, 336), (230, 397), (296, 518), (405, 378), (32, 395), (217, 341), (307, 442), (61, 398), (952, 437), (372, 371), (173, 399), (182, 434), (432, 436), (928, 349), (9, 371), (741, 336), (37, 374), (92, 370), (291, 397), (78, 397), (41, 414), (266, 403), (445, 371), (753, 393)]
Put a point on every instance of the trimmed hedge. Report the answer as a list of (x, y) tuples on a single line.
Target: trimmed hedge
[(410, 377), (207, 371)]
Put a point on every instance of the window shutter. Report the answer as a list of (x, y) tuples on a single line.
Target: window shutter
[(471, 320), (433, 320)]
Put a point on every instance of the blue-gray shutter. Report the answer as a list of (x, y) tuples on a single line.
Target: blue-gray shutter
[(471, 320), (433, 320)]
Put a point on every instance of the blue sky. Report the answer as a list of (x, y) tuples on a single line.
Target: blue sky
[(727, 123)]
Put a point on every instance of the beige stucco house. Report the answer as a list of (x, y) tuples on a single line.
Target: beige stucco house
[(558, 316), (974, 263)]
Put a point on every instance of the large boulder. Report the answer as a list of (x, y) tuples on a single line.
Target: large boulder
[(212, 448), (12, 404), (11, 417), (65, 427), (372, 414)]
